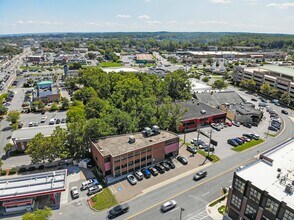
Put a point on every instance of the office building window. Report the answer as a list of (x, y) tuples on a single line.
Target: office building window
[(250, 212), (130, 155), (124, 165), (123, 157), (271, 206), (143, 151), (117, 173), (254, 195), (117, 168), (239, 185), (288, 215), (137, 153), (143, 158), (264, 218), (116, 159), (149, 156), (131, 163), (107, 159), (236, 201), (137, 161)]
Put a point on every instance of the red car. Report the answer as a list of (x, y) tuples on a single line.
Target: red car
[(229, 123)]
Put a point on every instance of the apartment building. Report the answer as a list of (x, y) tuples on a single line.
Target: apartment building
[(121, 154), (264, 189), (280, 77)]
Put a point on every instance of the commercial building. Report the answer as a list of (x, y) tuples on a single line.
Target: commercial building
[(29, 192), (46, 92), (21, 137), (198, 115), (264, 189), (34, 58), (121, 154), (244, 112), (144, 58), (280, 77)]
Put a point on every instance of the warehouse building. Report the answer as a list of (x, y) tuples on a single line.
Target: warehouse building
[(121, 154), (144, 58), (264, 189), (46, 92)]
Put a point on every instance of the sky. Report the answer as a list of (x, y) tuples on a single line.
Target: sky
[(42, 16)]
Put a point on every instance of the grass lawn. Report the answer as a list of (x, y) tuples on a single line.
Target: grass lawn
[(212, 158), (222, 209), (217, 201), (110, 64), (272, 135), (247, 145), (103, 200)]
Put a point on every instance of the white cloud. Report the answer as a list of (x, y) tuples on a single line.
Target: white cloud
[(19, 22), (146, 17), (221, 1), (281, 5), (36, 23), (123, 16), (213, 22)]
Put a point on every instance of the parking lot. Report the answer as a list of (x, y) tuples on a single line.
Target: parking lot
[(123, 190)]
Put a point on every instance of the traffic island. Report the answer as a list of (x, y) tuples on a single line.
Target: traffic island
[(247, 145), (102, 200)]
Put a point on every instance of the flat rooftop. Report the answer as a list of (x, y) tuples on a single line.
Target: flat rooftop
[(117, 145), (195, 107), (280, 69), (215, 53), (33, 184), (144, 56), (30, 132), (119, 69), (263, 175)]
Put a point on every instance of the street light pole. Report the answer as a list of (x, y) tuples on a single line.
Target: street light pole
[(181, 210)]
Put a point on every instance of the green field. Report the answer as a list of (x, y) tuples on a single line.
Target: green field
[(103, 200), (247, 145), (110, 64), (212, 158)]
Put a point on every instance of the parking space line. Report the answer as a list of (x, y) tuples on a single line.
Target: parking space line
[(205, 194)]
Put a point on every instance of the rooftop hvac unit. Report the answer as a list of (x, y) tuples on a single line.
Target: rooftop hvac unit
[(289, 188), (132, 139), (203, 112)]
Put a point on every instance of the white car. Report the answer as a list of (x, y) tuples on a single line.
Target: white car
[(168, 206), (94, 189), (89, 183), (131, 178), (74, 192), (43, 119), (31, 124)]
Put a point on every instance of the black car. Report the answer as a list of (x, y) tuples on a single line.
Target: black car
[(171, 164), (146, 173), (200, 175), (165, 165), (272, 128), (57, 121), (153, 171), (63, 120), (159, 168), (247, 125), (276, 125), (284, 112), (118, 210), (254, 100), (183, 160)]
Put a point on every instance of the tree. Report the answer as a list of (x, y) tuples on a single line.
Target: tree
[(76, 112), (205, 79), (8, 147), (286, 98), (38, 148), (219, 84), (85, 94), (265, 88), (3, 109), (91, 56), (54, 106), (13, 116), (274, 93), (1, 163), (75, 66), (64, 103), (39, 104), (251, 84), (39, 214)]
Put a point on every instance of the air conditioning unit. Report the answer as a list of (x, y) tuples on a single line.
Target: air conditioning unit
[(289, 188), (203, 112), (132, 139)]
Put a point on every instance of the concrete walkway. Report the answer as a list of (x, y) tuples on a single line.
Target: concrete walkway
[(213, 211)]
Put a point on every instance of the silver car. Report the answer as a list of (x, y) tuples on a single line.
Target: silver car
[(168, 206), (131, 178)]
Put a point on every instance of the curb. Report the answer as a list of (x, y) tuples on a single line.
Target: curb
[(207, 206)]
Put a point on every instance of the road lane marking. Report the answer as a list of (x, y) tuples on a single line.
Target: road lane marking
[(205, 194)]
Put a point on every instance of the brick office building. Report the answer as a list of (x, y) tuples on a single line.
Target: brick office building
[(121, 154), (264, 189)]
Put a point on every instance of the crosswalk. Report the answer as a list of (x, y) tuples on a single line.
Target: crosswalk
[(200, 216)]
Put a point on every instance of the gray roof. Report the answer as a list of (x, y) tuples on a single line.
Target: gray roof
[(245, 109), (289, 71), (29, 133), (33, 184), (219, 98), (195, 107)]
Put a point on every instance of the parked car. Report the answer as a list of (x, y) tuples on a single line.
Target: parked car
[(284, 112), (248, 136), (146, 173), (276, 125), (153, 171), (209, 149), (89, 183), (52, 121), (254, 100), (191, 149), (57, 121), (139, 175), (263, 100), (20, 124), (36, 124), (198, 142), (31, 124), (63, 120), (215, 126), (118, 210), (183, 160), (43, 119), (74, 192), (168, 206), (239, 141), (245, 139), (237, 124), (165, 165), (272, 128), (232, 142), (254, 136), (131, 178), (171, 164), (228, 123), (200, 175), (94, 189), (159, 168), (247, 125)]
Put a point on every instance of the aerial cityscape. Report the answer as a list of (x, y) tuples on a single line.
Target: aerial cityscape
[(147, 110)]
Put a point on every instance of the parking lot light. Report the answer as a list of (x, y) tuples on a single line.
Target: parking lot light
[(181, 210)]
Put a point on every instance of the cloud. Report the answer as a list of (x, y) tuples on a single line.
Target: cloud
[(146, 17), (213, 22), (153, 22), (221, 1), (37, 23), (281, 5), (20, 22), (123, 16)]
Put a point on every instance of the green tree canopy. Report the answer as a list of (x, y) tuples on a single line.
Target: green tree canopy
[(39, 214), (219, 84), (265, 88), (286, 98), (13, 116)]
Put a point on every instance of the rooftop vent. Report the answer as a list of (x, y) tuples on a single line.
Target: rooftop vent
[(132, 139), (279, 170), (203, 112), (289, 188)]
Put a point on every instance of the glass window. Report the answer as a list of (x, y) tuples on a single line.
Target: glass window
[(271, 206), (117, 173), (125, 172), (107, 159), (131, 163), (117, 168), (143, 158), (288, 215), (116, 159), (137, 161), (264, 218), (250, 212), (130, 155), (239, 185), (137, 153), (143, 151), (254, 195), (149, 156), (123, 157), (236, 201), (124, 165)]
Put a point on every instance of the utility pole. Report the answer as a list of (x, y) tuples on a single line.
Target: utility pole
[(209, 142), (181, 210)]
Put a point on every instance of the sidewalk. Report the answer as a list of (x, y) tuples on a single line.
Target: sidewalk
[(213, 211)]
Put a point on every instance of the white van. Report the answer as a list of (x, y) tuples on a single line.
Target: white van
[(52, 121)]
